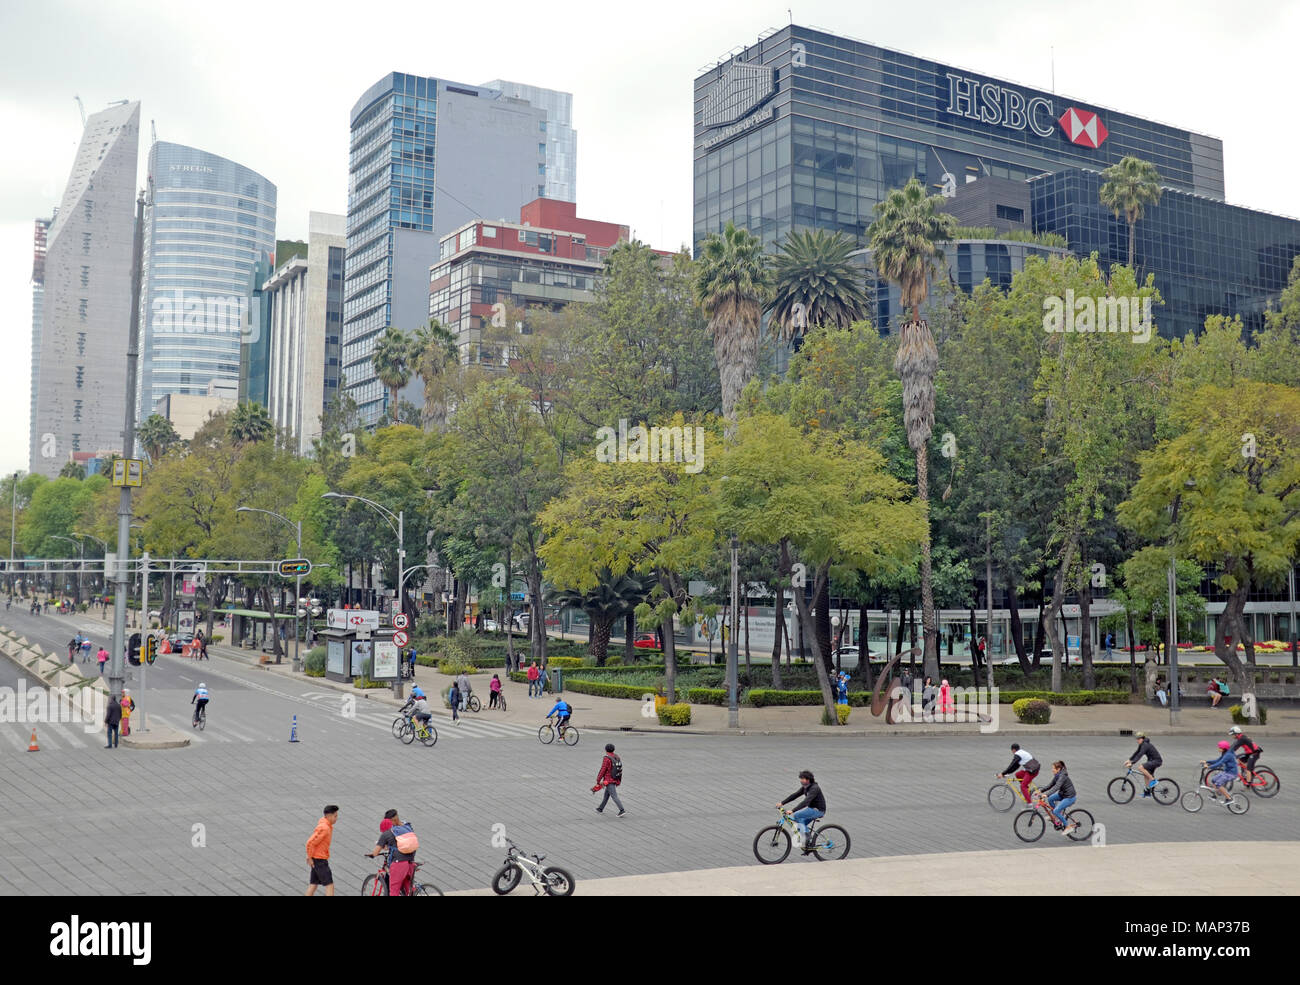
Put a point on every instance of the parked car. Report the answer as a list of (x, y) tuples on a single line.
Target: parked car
[(848, 656), (521, 621), (491, 626), (179, 640), (645, 641)]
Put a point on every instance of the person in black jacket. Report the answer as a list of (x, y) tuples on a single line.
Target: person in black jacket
[(1060, 794), (1145, 748), (813, 806)]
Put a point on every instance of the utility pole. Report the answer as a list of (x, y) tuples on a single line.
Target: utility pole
[(117, 669), (733, 669)]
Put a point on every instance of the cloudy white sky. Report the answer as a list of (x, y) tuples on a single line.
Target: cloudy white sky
[(270, 85)]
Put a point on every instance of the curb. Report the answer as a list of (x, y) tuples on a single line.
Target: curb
[(164, 739)]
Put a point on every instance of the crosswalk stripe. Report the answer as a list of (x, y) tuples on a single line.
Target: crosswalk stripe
[(13, 737)]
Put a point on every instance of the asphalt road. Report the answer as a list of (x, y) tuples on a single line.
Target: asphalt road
[(230, 814)]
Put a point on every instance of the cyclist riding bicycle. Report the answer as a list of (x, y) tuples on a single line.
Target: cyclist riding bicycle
[(813, 806), (1247, 751), (401, 865), (564, 711), (1153, 761), (1025, 767), (1225, 770), (200, 702), (1060, 794), (420, 709)]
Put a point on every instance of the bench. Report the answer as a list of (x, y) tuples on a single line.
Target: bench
[(1270, 682)]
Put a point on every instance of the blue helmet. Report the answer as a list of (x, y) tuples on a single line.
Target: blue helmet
[(416, 692)]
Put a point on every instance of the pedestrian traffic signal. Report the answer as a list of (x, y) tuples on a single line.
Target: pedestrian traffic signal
[(295, 566), (151, 649)]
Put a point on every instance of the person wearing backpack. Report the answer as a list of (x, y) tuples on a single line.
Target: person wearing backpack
[(610, 777), (401, 844), (1025, 767), (1216, 689)]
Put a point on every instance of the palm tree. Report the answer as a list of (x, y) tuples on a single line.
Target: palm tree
[(392, 362), (1130, 186), (434, 348), (249, 422), (904, 245), (731, 287), (813, 269), (609, 600), (156, 435)]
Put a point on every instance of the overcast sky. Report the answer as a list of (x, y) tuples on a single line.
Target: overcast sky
[(270, 85)]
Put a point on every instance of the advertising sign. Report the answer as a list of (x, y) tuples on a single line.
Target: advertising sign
[(356, 620), (360, 654), (386, 657), (336, 657)]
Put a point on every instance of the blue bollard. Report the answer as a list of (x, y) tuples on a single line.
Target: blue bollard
[(293, 730)]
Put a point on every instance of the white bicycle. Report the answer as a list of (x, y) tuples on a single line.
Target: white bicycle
[(551, 879)]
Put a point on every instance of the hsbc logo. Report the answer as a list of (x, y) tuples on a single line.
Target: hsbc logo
[(998, 105), (1083, 127)]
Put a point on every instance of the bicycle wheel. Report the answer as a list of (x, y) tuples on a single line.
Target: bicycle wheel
[(1165, 791), (506, 879), (1084, 821), (407, 734), (474, 704), (546, 735), (426, 889), (772, 845), (1239, 804), (373, 886), (1029, 825), (558, 881), (501, 702), (429, 736), (831, 844), (203, 720), (1121, 790), (1192, 801), (1001, 797), (570, 736), (1266, 782), (398, 722)]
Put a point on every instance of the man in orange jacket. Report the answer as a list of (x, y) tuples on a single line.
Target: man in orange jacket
[(318, 852)]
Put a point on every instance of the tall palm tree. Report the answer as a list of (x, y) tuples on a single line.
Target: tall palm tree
[(392, 362), (156, 435), (249, 422), (904, 242), (813, 269), (731, 287), (434, 348), (1130, 186)]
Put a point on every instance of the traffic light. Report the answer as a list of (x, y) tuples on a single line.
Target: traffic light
[(151, 649), (295, 566), (133, 650)]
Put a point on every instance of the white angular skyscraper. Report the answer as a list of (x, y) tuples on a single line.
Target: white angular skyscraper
[(79, 361), (561, 138)]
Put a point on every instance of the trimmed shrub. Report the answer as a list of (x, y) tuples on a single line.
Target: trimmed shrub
[(679, 714), (1240, 719), (1032, 711), (426, 659), (762, 697), (600, 689), (706, 695), (454, 667), (315, 662), (564, 663), (843, 711)]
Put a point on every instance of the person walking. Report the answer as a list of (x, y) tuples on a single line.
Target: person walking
[(908, 681), (1110, 646), (128, 706), (113, 719), (453, 699), (462, 684), (533, 674), (102, 657), (494, 692), (928, 695), (946, 706), (74, 645), (318, 852), (610, 778), (543, 680)]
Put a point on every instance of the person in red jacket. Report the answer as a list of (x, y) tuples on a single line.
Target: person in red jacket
[(610, 777)]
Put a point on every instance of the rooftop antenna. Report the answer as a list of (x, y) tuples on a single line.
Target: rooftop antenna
[(82, 108), (791, 13), (153, 130)]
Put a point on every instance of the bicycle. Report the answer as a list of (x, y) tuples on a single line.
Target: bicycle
[(551, 879), (547, 733), (412, 730), (1003, 796), (1263, 781), (1029, 825), (501, 701), (826, 844), (201, 717), (1192, 801), (1121, 789), (376, 884)]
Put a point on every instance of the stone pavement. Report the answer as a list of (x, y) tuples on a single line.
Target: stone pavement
[(1269, 869)]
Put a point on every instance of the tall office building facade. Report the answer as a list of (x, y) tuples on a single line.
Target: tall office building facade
[(304, 326), (210, 222), (79, 361), (40, 238), (561, 138), (426, 156)]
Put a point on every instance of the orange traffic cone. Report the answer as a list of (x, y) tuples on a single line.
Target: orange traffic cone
[(33, 747)]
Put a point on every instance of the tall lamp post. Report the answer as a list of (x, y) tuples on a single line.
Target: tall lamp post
[(297, 581), (733, 668), (13, 521), (103, 546), (81, 551), (396, 522)]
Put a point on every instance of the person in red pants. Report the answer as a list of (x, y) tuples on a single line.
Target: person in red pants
[(1024, 765)]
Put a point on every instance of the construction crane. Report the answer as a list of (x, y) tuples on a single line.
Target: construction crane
[(81, 107)]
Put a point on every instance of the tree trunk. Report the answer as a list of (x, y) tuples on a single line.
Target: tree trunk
[(1054, 610), (974, 651), (1036, 658), (275, 629), (670, 660), (1085, 636), (1132, 242), (1243, 676), (749, 670), (864, 649), (629, 631), (928, 621), (778, 634), (1132, 655), (599, 627), (1017, 627), (806, 621), (822, 624)]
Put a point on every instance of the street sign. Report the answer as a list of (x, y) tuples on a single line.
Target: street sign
[(400, 621), (400, 638), (128, 471), (352, 619), (295, 566)]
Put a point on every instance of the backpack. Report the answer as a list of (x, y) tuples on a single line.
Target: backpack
[(1223, 688), (407, 842), (616, 769), (1031, 766)]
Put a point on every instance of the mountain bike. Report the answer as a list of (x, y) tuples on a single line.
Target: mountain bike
[(1003, 796), (376, 884), (567, 733), (551, 879), (1193, 801), (412, 730), (201, 717), (1263, 781), (1121, 789), (1030, 824), (827, 843)]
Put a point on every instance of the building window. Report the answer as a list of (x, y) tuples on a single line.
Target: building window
[(541, 191), (1010, 214), (489, 232), (541, 169)]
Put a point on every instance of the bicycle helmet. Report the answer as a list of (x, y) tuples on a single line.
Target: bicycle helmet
[(1235, 730), (1225, 744), (201, 684)]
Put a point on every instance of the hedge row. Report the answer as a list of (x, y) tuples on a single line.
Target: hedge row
[(707, 695), (603, 690)]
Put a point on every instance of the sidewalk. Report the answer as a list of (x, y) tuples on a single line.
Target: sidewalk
[(1258, 869), (620, 714)]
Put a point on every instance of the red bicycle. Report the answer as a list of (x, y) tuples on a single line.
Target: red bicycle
[(377, 884)]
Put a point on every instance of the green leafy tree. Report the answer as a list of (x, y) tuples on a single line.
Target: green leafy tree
[(732, 285), (156, 435), (1127, 189), (250, 423), (816, 283), (392, 358), (904, 239)]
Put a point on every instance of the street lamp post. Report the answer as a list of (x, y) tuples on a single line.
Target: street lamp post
[(103, 546), (13, 520), (733, 668), (297, 581), (81, 550)]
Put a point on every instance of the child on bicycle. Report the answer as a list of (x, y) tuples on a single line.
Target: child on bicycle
[(1060, 794), (1225, 771)]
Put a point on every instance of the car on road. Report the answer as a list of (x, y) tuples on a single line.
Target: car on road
[(179, 640), (848, 656), (491, 626), (645, 641)]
